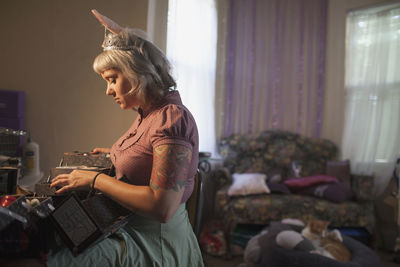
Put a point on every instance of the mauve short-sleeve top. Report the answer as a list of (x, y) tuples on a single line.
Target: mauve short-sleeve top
[(170, 123)]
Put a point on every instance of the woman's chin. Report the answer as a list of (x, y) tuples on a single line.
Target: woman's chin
[(125, 107)]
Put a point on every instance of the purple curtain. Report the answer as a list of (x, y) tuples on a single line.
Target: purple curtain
[(275, 66)]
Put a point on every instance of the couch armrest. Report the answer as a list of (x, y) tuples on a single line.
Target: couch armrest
[(362, 186)]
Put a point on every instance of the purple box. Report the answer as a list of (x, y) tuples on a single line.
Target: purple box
[(12, 104), (12, 115), (13, 123)]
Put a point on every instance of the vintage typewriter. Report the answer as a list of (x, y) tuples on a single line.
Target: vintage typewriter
[(83, 218)]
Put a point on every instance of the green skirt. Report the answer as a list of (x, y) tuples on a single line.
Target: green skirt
[(142, 242)]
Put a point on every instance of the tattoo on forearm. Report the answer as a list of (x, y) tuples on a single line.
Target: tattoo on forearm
[(170, 167)]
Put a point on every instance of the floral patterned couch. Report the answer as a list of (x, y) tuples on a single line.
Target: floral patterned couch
[(273, 152)]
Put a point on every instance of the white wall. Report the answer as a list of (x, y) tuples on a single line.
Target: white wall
[(48, 47)]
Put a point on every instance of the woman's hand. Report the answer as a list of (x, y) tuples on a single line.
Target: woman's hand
[(100, 150), (76, 180)]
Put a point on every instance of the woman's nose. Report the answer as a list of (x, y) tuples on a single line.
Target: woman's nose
[(109, 91)]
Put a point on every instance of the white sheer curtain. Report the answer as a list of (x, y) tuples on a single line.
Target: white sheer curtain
[(371, 137), (191, 48)]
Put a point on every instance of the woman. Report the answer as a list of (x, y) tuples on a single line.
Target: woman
[(156, 160)]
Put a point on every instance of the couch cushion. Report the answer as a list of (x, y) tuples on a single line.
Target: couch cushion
[(261, 209)]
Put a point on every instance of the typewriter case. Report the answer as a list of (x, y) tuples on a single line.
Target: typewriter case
[(83, 218), (83, 222)]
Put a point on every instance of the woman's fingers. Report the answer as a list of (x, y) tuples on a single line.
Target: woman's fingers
[(59, 181), (64, 181), (76, 180), (100, 150), (63, 189), (60, 176), (95, 151)]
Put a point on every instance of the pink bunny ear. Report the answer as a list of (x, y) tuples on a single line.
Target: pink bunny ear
[(108, 23)]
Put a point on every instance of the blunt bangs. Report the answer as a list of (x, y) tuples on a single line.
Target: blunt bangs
[(104, 61)]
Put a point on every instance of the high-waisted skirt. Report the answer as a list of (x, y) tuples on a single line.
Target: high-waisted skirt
[(141, 242)]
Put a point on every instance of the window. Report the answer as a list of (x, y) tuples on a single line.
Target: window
[(371, 137), (191, 48)]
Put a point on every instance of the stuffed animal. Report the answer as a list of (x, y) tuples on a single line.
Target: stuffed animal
[(294, 234), (253, 250), (316, 238)]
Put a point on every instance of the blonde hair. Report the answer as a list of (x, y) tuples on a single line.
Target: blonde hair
[(144, 65)]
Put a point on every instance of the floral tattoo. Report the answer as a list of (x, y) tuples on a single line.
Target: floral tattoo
[(170, 167)]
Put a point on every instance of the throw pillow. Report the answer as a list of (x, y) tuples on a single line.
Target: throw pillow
[(339, 169), (248, 184), (278, 188), (336, 192), (298, 184)]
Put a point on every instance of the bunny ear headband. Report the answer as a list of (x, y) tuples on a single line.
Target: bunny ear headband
[(109, 24), (112, 40)]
